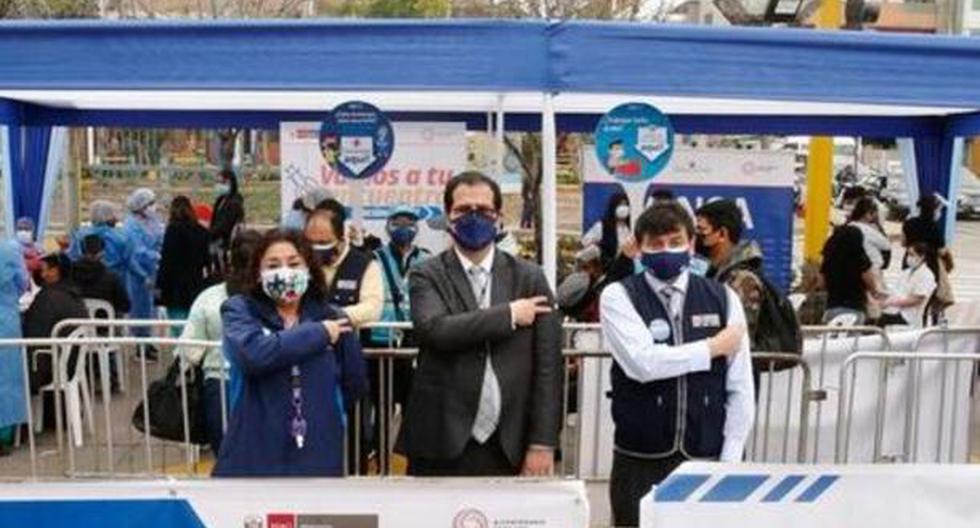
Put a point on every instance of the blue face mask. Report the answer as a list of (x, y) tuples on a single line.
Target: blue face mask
[(474, 231), (667, 264), (403, 236)]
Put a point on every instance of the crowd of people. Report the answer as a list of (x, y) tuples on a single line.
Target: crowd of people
[(681, 299), (859, 251)]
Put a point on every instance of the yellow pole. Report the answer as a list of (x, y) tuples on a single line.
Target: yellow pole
[(820, 163)]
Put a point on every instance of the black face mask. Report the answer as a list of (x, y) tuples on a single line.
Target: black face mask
[(701, 248)]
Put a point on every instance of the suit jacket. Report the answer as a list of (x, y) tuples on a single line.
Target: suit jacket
[(455, 336)]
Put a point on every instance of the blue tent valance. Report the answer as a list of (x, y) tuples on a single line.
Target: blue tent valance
[(582, 57)]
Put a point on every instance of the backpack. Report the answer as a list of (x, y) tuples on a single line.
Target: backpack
[(778, 328)]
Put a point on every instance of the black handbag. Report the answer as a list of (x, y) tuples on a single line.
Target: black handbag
[(166, 408)]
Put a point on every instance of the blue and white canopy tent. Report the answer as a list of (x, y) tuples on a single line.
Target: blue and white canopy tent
[(521, 75)]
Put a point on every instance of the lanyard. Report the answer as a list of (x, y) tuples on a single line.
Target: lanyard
[(297, 426)]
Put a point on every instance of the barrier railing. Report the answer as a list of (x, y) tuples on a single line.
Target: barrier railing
[(582, 344), (61, 348), (113, 326), (913, 360), (944, 333), (828, 334)]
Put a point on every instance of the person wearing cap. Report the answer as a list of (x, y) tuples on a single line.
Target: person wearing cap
[(144, 233), (115, 247), (25, 235), (396, 257), (59, 299)]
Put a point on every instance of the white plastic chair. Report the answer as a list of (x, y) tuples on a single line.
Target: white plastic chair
[(74, 385), (101, 309)]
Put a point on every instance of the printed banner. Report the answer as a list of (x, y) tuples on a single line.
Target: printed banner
[(425, 157), (706, 495), (760, 182), (297, 503)]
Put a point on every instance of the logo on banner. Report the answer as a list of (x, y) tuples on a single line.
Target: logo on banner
[(356, 140), (292, 520), (634, 142), (471, 518)]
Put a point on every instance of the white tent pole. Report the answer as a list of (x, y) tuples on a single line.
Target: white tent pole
[(955, 175), (6, 182), (906, 147), (56, 155), (499, 145), (549, 191)]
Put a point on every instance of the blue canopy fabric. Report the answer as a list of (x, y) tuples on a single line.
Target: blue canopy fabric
[(757, 64), (573, 56)]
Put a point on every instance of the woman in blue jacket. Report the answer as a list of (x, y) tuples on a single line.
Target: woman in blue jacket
[(299, 363)]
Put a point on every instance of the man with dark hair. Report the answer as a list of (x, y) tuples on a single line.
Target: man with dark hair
[(734, 262), (681, 378), (59, 299), (95, 281), (486, 398), (353, 277)]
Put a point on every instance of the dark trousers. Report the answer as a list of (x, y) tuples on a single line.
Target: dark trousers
[(631, 480), (477, 460), (211, 398)]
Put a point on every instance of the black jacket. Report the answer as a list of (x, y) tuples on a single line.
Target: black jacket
[(184, 263), (229, 211), (52, 305), (95, 281), (454, 338)]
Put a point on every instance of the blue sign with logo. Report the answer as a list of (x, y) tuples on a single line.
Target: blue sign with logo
[(766, 211), (357, 140), (634, 142)]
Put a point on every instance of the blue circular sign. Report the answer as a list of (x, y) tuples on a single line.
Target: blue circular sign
[(356, 140), (634, 142)]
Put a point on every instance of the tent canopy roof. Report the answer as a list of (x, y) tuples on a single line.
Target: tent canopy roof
[(463, 66)]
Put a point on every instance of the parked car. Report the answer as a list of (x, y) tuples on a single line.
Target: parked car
[(968, 199)]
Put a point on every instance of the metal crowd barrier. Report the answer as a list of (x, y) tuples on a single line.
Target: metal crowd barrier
[(828, 334), (576, 352), (63, 346), (914, 361)]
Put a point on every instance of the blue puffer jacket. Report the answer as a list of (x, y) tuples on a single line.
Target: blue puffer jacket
[(259, 440)]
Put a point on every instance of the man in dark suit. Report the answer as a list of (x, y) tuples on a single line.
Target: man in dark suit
[(486, 399)]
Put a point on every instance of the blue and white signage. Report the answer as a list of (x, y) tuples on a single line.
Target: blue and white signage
[(760, 183), (634, 142), (357, 140)]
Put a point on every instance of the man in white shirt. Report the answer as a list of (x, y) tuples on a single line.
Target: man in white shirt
[(682, 377)]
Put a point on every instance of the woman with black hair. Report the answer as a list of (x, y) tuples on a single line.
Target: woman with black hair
[(300, 367), (614, 237), (846, 273), (229, 212), (184, 260)]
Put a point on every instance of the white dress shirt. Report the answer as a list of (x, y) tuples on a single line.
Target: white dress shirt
[(632, 346)]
